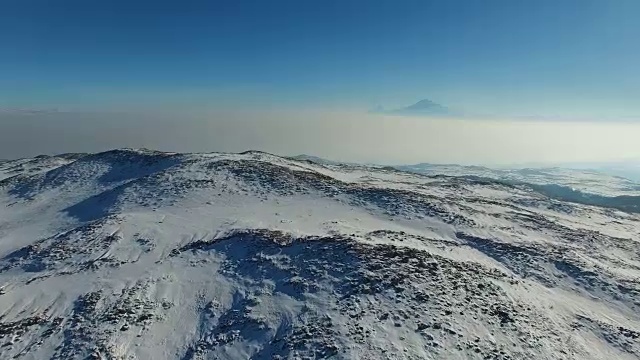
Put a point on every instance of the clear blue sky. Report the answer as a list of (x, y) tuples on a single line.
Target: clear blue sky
[(552, 58)]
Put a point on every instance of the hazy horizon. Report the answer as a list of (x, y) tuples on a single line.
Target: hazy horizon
[(545, 81), (343, 136)]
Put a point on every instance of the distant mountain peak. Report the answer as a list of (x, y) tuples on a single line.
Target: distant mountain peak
[(426, 104), (424, 107)]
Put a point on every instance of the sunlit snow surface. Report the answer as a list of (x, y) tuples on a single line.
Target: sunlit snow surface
[(135, 254)]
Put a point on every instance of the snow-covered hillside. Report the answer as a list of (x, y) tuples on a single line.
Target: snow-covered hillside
[(588, 181), (136, 254)]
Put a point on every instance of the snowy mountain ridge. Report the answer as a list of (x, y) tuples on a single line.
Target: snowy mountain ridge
[(139, 254)]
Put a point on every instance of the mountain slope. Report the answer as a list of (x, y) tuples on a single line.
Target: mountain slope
[(587, 181), (572, 185), (150, 255)]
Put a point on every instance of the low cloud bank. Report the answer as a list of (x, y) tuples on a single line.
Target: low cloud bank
[(348, 136)]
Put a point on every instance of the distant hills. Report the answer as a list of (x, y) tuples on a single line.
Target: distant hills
[(25, 111)]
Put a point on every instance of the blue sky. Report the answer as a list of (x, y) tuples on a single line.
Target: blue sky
[(556, 58)]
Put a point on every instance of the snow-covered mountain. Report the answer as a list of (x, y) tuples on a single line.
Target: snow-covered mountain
[(137, 254)]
